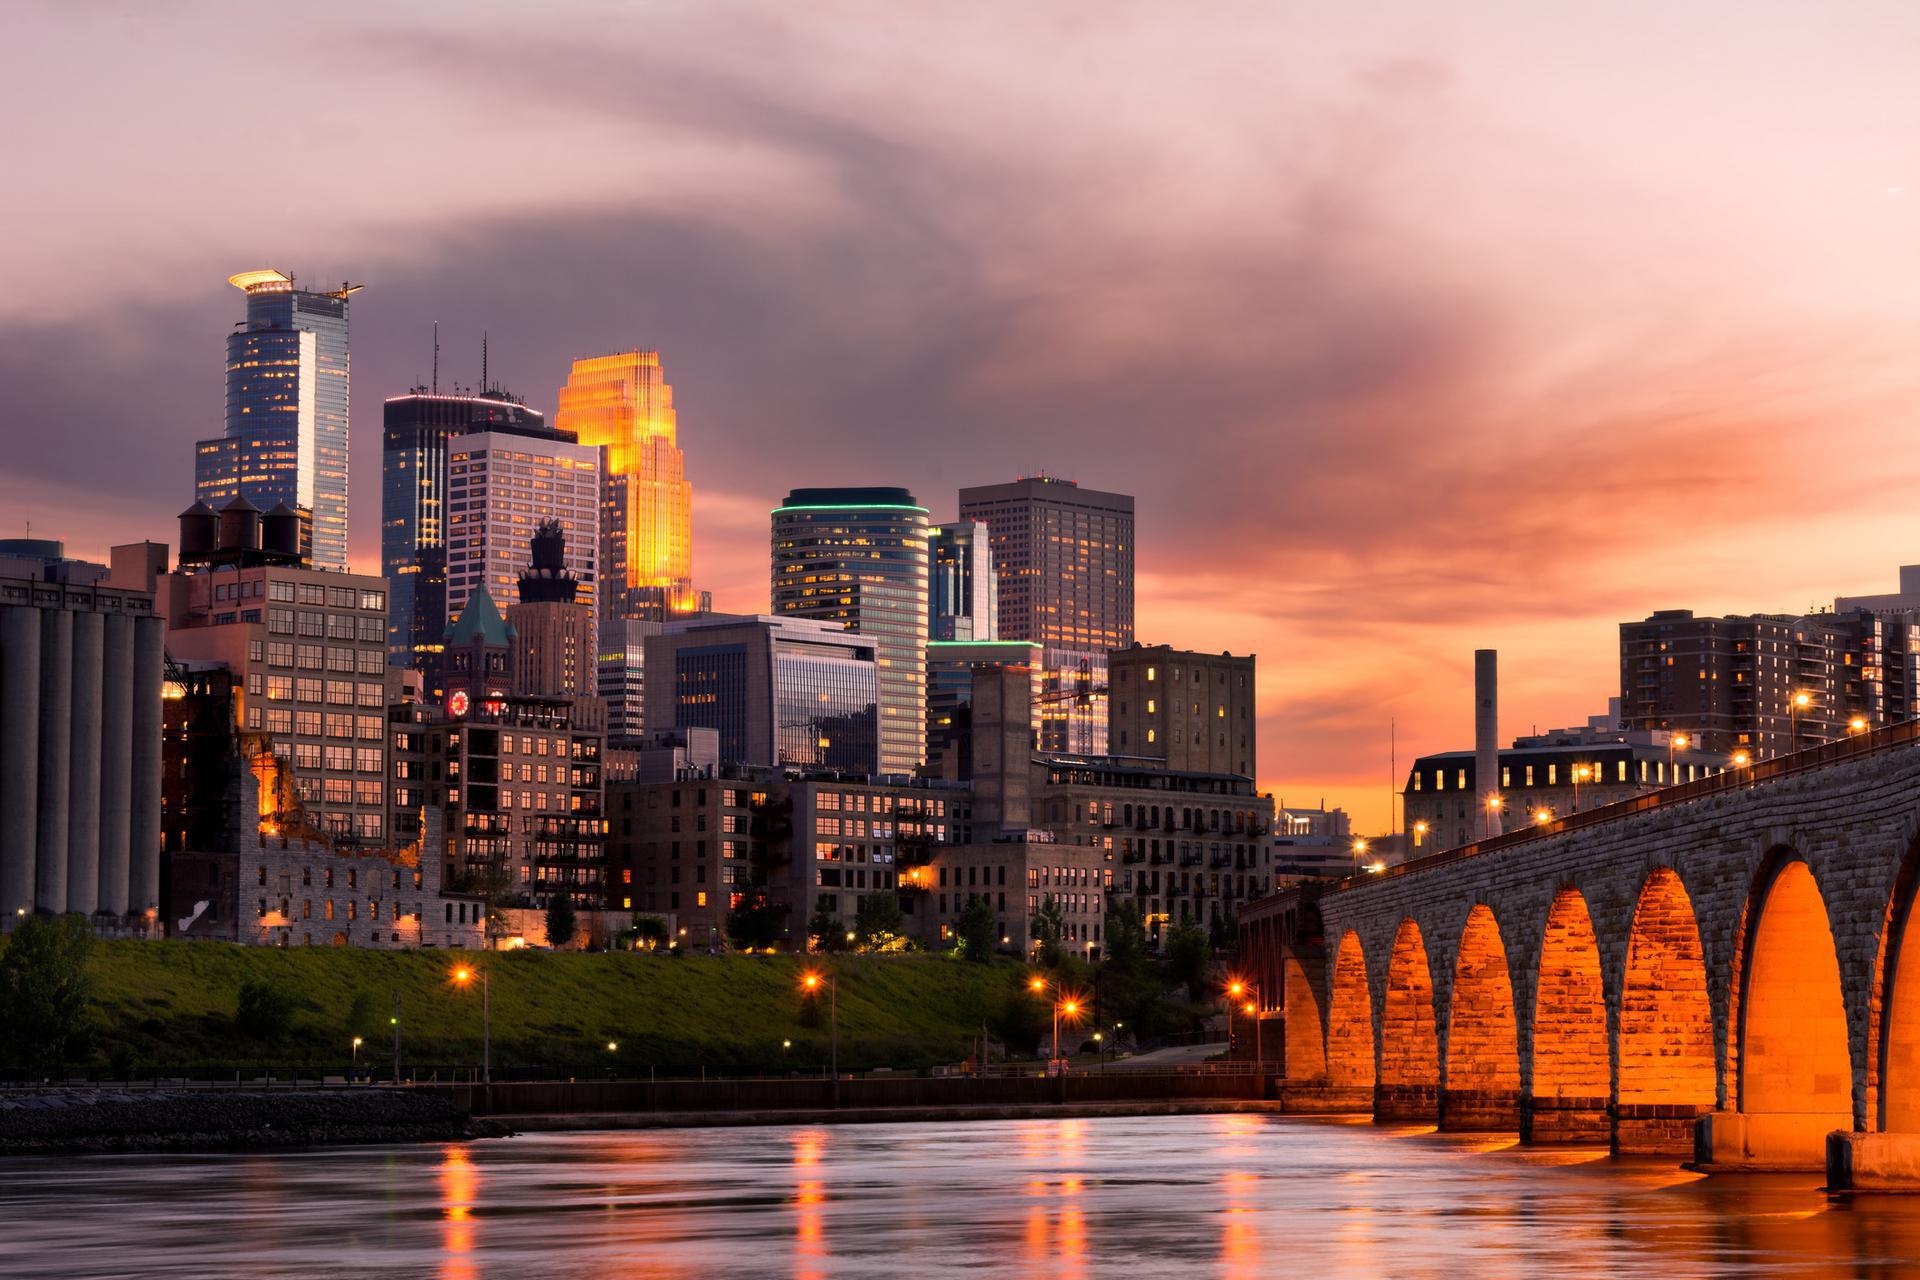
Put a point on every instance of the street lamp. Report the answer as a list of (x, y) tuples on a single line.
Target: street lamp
[(1237, 989), (464, 977), (1679, 742), (1857, 725), (1359, 849), (1419, 832), (1542, 816), (811, 982), (1494, 805), (357, 1042), (1795, 705), (1063, 1004), (1581, 773), (1741, 759)]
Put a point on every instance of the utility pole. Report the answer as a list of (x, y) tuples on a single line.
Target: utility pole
[(396, 1035)]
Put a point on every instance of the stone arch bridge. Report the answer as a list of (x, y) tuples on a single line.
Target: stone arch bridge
[(1719, 969)]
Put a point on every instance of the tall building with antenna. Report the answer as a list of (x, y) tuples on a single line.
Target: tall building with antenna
[(288, 368)]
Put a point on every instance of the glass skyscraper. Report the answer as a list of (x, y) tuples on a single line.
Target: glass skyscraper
[(777, 691), (286, 424), (414, 506), (964, 595), (859, 557)]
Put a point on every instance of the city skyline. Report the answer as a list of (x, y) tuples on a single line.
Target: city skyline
[(1387, 463)]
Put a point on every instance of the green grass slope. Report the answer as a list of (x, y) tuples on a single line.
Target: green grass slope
[(170, 1004)]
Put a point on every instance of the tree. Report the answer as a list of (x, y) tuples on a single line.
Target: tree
[(1049, 927), (650, 930), (1126, 953), (977, 931), (824, 932), (1189, 957), (46, 994), (879, 920), (561, 921), (757, 920), (1222, 936), (264, 1010)]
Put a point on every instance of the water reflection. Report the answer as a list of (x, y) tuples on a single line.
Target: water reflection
[(1240, 1196)]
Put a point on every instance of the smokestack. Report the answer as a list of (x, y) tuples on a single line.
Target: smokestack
[(1486, 737)]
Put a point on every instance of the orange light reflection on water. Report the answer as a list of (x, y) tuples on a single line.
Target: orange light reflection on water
[(459, 1187)]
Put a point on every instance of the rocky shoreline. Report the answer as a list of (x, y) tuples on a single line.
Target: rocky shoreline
[(101, 1120)]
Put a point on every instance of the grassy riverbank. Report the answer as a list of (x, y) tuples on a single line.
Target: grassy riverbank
[(171, 1004)]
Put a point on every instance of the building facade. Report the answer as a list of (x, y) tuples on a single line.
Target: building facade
[(80, 753), (951, 668), (1545, 777), (1768, 683), (557, 655), (786, 692), (1062, 558), (415, 506), (308, 652), (622, 405), (858, 557), (689, 848), (501, 488), (288, 370), (1195, 711), (963, 594), (1017, 877)]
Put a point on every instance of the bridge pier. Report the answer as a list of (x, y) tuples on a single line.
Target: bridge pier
[(1873, 1161), (1406, 1104), (1796, 1141), (1572, 1120), (1655, 1128), (1480, 1110)]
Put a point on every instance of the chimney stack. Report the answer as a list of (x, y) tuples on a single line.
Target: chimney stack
[(1486, 738)]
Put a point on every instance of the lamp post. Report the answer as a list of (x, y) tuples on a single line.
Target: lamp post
[(1580, 774), (355, 1058), (1359, 850), (1857, 725), (1236, 989), (1419, 833), (1494, 805), (394, 1021), (1795, 705), (464, 975), (1675, 742), (1062, 1004), (812, 981)]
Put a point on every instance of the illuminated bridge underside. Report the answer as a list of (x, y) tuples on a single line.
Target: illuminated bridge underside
[(1724, 975)]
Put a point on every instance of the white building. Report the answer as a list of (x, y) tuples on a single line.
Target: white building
[(499, 488)]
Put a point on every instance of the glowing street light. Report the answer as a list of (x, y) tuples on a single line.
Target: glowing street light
[(811, 981), (357, 1042), (1419, 832), (1494, 805), (1237, 989), (1065, 1005), (1795, 705), (1542, 817), (1359, 851), (1857, 725), (1676, 742), (1581, 773), (463, 976), (1741, 759)]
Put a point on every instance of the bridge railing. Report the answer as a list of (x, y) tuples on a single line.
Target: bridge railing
[(1891, 738)]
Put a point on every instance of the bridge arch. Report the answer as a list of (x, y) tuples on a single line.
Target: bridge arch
[(1409, 1087), (1572, 1066), (1350, 1052), (1483, 1049), (1665, 1041), (1795, 1072), (1896, 1053)]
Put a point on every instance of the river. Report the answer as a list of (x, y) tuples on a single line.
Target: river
[(1222, 1195)]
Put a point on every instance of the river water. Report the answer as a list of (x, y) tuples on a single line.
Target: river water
[(1223, 1195)]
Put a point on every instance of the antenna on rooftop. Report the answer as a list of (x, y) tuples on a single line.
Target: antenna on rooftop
[(484, 387), (436, 357)]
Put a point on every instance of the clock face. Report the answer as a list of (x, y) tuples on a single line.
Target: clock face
[(457, 703)]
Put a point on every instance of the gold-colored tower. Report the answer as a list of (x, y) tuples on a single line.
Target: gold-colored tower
[(623, 404)]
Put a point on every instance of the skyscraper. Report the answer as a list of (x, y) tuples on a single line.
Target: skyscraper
[(859, 557), (1063, 559), (964, 597), (286, 424), (555, 655), (623, 405), (414, 506), (1063, 556), (500, 487)]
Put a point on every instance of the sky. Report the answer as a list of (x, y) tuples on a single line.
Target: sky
[(1415, 328)]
